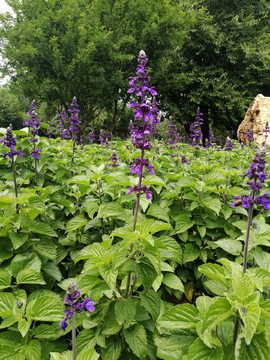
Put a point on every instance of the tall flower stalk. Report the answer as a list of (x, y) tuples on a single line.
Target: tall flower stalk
[(195, 130), (229, 147), (146, 111), (10, 142), (72, 299), (74, 122), (34, 123)]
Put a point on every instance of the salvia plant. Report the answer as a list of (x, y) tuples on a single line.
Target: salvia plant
[(147, 258)]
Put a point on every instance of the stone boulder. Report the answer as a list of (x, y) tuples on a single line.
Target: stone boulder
[(255, 119)]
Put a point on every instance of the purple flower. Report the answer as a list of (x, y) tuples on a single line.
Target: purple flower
[(50, 132), (229, 145), (114, 160), (10, 142), (184, 160), (138, 190), (36, 153), (249, 136), (101, 136), (91, 136), (74, 119), (244, 310), (256, 169), (76, 305), (89, 305)]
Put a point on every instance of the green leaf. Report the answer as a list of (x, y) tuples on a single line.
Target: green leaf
[(250, 320), (7, 353), (258, 349), (5, 279), (173, 247), (110, 209), (242, 284), (214, 272), (265, 309), (113, 349), (45, 331), (213, 204), (125, 310), (158, 212), (85, 340), (23, 326), (89, 354), (264, 276), (182, 224), (75, 223), (135, 336), (218, 312), (111, 327), (46, 248), (10, 338), (183, 316), (153, 254), (120, 180), (199, 351), (92, 208), (203, 303), (6, 304), (186, 182), (45, 308), (29, 261), (17, 239), (175, 342), (233, 247), (173, 282), (226, 211), (108, 275), (52, 269), (153, 180), (80, 180), (146, 272), (42, 228), (191, 253), (94, 250), (152, 303), (29, 276), (33, 350)]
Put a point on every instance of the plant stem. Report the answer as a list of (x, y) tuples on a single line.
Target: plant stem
[(235, 329), (73, 337), (248, 230), (35, 164)]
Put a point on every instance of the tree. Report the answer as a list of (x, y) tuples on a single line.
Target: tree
[(11, 110), (223, 64), (57, 49)]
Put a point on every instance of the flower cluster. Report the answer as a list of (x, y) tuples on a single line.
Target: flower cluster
[(74, 119), (249, 136), (50, 132), (101, 136), (195, 130), (266, 130), (36, 153), (114, 159), (211, 137), (33, 121), (10, 142), (148, 111), (229, 145), (184, 160), (91, 137), (138, 166), (255, 173), (72, 299), (207, 145)]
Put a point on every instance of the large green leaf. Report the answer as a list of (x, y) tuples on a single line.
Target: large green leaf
[(108, 275), (182, 224), (80, 180), (75, 223), (242, 284), (46, 248), (45, 308), (111, 327), (135, 336), (29, 276), (113, 348), (199, 351), (5, 279), (250, 319), (158, 212), (258, 349), (110, 209), (125, 310), (152, 303), (215, 272), (183, 316), (52, 269), (6, 304), (89, 354), (85, 340), (218, 312), (146, 272), (213, 204), (153, 180), (33, 350), (42, 228), (233, 247), (173, 282)]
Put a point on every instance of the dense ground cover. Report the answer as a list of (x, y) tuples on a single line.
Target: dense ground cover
[(187, 249)]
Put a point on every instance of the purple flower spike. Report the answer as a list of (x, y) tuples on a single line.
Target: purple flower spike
[(229, 145), (10, 142), (89, 305)]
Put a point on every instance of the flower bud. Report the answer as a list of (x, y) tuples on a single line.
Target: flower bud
[(19, 304)]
